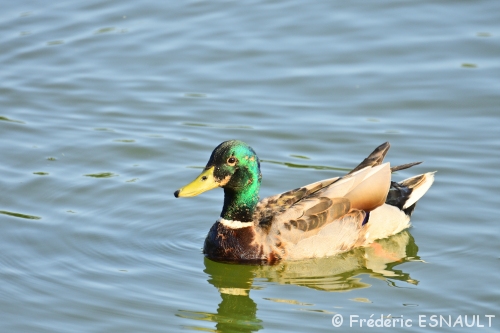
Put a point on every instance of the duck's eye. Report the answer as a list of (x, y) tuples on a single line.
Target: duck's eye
[(231, 161)]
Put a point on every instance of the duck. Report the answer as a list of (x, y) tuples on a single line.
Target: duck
[(322, 219)]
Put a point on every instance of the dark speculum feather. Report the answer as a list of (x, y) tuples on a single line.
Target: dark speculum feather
[(367, 217)]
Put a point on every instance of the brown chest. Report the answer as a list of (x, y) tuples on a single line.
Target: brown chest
[(228, 244)]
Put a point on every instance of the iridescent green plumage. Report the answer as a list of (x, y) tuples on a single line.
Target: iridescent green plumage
[(241, 178)]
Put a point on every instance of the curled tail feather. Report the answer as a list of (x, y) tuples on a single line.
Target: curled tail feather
[(405, 194)]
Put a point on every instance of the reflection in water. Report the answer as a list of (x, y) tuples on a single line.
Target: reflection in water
[(238, 312), (305, 166)]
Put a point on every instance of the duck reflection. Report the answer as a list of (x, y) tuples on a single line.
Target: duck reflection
[(238, 312)]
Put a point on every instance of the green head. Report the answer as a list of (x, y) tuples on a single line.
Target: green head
[(235, 167)]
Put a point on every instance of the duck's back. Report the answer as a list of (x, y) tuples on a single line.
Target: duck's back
[(323, 218)]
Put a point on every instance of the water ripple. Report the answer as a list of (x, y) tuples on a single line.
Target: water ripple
[(23, 216)]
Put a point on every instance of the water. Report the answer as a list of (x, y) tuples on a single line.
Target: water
[(107, 108)]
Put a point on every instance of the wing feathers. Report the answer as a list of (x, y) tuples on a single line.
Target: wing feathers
[(324, 211), (326, 217), (372, 191), (290, 197), (375, 158)]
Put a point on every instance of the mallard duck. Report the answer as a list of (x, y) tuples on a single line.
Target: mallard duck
[(317, 220)]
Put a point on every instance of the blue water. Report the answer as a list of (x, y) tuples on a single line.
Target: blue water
[(106, 108)]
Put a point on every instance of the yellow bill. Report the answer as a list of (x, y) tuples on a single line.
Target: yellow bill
[(204, 182)]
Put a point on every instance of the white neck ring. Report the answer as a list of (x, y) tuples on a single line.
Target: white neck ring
[(234, 224)]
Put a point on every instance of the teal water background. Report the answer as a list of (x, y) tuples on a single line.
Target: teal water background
[(106, 108)]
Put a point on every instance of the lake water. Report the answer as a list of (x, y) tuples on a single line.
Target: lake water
[(107, 107)]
